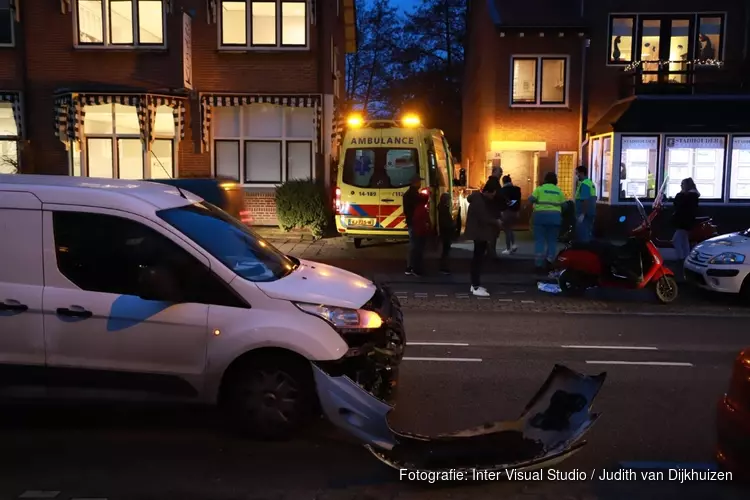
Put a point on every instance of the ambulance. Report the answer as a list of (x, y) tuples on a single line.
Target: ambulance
[(377, 162)]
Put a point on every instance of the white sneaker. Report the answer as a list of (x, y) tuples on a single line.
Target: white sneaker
[(480, 291), (506, 252), (513, 249)]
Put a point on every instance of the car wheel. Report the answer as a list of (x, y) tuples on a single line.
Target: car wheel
[(666, 289), (273, 398), (357, 242)]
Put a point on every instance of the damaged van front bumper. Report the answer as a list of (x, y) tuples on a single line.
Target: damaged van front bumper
[(549, 430)]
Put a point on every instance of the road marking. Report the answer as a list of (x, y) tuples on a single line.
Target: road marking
[(623, 347), (441, 295), (456, 344), (668, 465), (641, 363), (462, 295), (519, 291), (39, 494), (420, 295), (459, 360), (687, 314), (505, 300), (527, 302)]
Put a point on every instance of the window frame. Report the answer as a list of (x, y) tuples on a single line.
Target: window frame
[(286, 162), (106, 25), (539, 61), (249, 45), (12, 20), (724, 169), (665, 27), (730, 168), (282, 159), (658, 174), (241, 139), (114, 136), (13, 138)]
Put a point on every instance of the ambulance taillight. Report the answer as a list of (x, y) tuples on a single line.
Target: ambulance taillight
[(337, 201)]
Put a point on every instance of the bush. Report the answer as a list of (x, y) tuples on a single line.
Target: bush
[(302, 204)]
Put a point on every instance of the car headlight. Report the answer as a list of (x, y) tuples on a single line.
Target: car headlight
[(343, 318), (728, 258)]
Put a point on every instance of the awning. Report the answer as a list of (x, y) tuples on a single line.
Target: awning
[(14, 98), (70, 113), (676, 114), (209, 101)]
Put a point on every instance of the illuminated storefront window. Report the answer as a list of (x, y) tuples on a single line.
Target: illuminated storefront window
[(739, 177), (606, 169), (595, 164), (701, 158), (639, 157)]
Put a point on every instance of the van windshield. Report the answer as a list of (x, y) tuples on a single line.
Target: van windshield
[(377, 167), (230, 241)]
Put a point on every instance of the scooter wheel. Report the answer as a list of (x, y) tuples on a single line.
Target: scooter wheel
[(666, 289), (569, 282)]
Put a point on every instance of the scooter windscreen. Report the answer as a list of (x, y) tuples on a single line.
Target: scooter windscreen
[(549, 430)]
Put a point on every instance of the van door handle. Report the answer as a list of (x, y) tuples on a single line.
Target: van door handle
[(388, 201), (13, 305), (74, 312)]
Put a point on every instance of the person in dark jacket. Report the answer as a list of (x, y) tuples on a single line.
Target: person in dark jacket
[(512, 195), (496, 206), (481, 227), (410, 202), (420, 231), (683, 218), (447, 230)]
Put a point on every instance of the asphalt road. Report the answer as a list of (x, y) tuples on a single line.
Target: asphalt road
[(665, 375)]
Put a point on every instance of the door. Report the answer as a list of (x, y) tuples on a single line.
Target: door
[(21, 283), (360, 188), (565, 168), (104, 312), (401, 165)]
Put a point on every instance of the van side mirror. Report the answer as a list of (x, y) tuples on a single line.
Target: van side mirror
[(157, 283)]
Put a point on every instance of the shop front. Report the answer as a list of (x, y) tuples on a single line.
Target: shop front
[(643, 141)]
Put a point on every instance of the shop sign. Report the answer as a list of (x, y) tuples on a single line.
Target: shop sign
[(695, 142), (741, 143), (640, 143)]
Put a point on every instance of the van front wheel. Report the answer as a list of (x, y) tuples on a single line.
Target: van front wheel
[(272, 399)]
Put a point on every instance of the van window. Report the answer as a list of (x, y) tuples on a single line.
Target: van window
[(442, 161), (104, 253), (380, 167), (234, 244)]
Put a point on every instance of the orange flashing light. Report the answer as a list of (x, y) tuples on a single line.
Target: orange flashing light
[(354, 121), (411, 121)]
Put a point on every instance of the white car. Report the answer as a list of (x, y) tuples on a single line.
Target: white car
[(133, 286), (721, 264)]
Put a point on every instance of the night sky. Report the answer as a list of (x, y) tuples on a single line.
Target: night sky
[(405, 5)]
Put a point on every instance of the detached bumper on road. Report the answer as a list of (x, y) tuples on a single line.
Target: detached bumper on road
[(548, 431), (717, 278)]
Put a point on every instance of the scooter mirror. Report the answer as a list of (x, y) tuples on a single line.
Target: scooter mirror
[(622, 218)]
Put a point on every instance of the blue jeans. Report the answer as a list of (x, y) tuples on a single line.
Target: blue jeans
[(585, 229), (545, 242), (681, 242)]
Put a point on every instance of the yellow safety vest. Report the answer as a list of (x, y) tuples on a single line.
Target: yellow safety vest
[(588, 183), (549, 198)]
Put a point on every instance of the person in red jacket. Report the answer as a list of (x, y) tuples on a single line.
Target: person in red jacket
[(421, 229)]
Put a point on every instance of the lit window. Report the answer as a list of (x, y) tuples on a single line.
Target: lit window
[(263, 143), (539, 81), (699, 157), (8, 140), (114, 149), (639, 156), (114, 23), (264, 23), (7, 24), (739, 187), (710, 30), (621, 36)]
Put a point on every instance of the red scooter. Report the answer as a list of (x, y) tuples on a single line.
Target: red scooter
[(635, 265), (703, 230)]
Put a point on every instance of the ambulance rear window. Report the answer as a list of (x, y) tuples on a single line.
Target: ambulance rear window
[(380, 167)]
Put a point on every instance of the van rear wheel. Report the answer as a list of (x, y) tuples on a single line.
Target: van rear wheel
[(272, 398), (357, 242)]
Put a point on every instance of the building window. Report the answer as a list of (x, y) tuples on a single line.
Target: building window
[(120, 23), (606, 186), (114, 149), (621, 38), (263, 143), (739, 187), (701, 158), (264, 24), (8, 140), (639, 157), (7, 24), (710, 31), (539, 81), (595, 169)]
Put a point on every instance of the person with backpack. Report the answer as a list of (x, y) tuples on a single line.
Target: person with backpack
[(510, 216)]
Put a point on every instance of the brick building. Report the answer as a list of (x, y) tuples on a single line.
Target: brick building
[(658, 88), (246, 90)]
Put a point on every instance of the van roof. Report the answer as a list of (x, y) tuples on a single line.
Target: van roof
[(103, 193)]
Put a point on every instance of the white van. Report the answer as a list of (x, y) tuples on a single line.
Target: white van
[(137, 286)]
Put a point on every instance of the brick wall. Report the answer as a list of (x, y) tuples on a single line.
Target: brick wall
[(262, 207)]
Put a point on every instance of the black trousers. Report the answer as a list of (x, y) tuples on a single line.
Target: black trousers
[(477, 259), (447, 242)]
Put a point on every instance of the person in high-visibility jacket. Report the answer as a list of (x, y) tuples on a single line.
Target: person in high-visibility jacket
[(547, 200), (585, 205)]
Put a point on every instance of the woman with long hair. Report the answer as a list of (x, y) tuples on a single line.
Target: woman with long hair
[(683, 218)]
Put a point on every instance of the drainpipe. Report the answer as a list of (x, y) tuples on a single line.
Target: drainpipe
[(584, 108), (24, 152)]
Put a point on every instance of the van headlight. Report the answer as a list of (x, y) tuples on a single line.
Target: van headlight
[(343, 318), (728, 258)]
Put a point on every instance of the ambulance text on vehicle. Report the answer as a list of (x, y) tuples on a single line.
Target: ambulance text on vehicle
[(378, 160)]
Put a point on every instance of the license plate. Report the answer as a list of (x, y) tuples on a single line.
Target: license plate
[(360, 222)]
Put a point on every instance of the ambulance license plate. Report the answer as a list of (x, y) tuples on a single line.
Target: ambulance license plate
[(360, 222)]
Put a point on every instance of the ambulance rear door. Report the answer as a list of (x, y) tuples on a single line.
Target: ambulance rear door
[(400, 154), (360, 194)]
